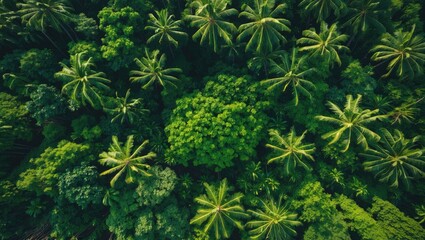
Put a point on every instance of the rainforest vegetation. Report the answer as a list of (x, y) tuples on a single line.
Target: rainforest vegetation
[(212, 119)]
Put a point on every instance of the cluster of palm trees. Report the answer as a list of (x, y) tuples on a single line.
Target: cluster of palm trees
[(393, 158), (219, 212)]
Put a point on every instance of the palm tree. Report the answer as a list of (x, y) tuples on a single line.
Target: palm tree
[(264, 60), (219, 211), (166, 29), (420, 213), (395, 159), (291, 73), (152, 70), (405, 111), (364, 15), (265, 28), (122, 159), (326, 44), (404, 52), (41, 14), (83, 83), (290, 150), (273, 222), (351, 121), (127, 110), (322, 8), (209, 18)]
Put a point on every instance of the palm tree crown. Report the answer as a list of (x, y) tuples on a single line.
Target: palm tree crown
[(327, 43), (292, 73), (122, 159), (152, 70), (395, 159), (265, 29), (166, 29), (39, 14), (364, 15), (322, 8), (83, 83), (127, 109), (273, 222), (351, 121), (210, 20), (290, 150), (404, 52), (219, 211)]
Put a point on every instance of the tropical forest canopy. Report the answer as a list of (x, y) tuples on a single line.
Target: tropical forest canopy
[(212, 119)]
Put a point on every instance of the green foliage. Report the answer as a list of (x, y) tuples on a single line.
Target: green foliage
[(202, 123), (46, 170), (154, 189), (396, 159), (171, 222), (86, 26), (264, 27), (84, 128), (395, 224), (218, 211), (46, 103), (122, 158), (13, 113), (82, 84), (326, 44), (210, 19), (145, 225), (358, 79), (91, 49), (80, 185), (33, 65), (120, 25), (404, 52), (274, 222), (319, 211), (24, 70), (359, 220), (290, 150), (152, 70), (351, 120), (68, 222)]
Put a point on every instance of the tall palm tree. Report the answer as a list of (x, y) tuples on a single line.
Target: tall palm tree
[(122, 158), (209, 18), (165, 28), (404, 52), (127, 109), (326, 44), (265, 28), (273, 222), (41, 14), (219, 211), (290, 150), (351, 120), (83, 83), (291, 73), (152, 70), (364, 15), (396, 158), (321, 9)]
